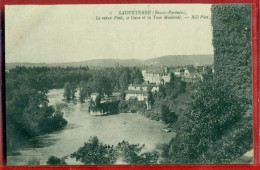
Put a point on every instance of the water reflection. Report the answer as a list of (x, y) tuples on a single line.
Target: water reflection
[(40, 142)]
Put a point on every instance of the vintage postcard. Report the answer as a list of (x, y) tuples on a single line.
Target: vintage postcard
[(128, 84)]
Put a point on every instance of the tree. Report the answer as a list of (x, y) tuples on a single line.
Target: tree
[(167, 116), (95, 152), (165, 111), (107, 85), (162, 91), (150, 98), (136, 76), (103, 85), (73, 90), (172, 77), (175, 87), (217, 126), (53, 160), (132, 154), (27, 111), (85, 91), (69, 91), (232, 46), (213, 113), (33, 161), (124, 79)]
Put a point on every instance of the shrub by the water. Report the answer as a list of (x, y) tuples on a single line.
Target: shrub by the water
[(133, 154), (33, 161), (95, 152), (53, 160), (28, 113), (132, 106)]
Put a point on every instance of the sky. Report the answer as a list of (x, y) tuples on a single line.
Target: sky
[(70, 33)]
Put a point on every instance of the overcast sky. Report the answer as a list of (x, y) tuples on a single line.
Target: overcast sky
[(65, 33)]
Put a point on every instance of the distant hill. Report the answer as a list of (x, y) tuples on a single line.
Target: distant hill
[(169, 60), (181, 60)]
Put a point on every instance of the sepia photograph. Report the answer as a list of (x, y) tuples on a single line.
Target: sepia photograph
[(102, 84)]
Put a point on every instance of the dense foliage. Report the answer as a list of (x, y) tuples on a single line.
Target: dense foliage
[(27, 111), (161, 101), (172, 89), (167, 116), (34, 161), (69, 92), (134, 154), (95, 152), (215, 127), (85, 90), (217, 124), (53, 160), (132, 106), (232, 46), (56, 77), (102, 81), (211, 127)]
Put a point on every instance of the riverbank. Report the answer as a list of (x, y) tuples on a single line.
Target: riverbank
[(111, 129)]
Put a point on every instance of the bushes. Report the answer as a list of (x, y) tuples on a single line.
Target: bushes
[(52, 123), (85, 90), (172, 89), (217, 125), (33, 161), (55, 161), (28, 113), (232, 46), (167, 116), (132, 106), (95, 152), (69, 91), (213, 118), (161, 111), (165, 97), (132, 154)]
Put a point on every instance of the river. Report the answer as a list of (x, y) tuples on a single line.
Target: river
[(112, 129)]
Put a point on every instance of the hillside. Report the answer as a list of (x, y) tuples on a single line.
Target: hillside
[(180, 60), (169, 60)]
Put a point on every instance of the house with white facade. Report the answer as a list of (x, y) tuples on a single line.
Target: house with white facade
[(144, 87), (157, 75), (136, 94)]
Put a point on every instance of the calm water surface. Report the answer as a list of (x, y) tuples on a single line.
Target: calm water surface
[(112, 129)]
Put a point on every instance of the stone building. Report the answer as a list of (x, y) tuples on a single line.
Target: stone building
[(157, 75)]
